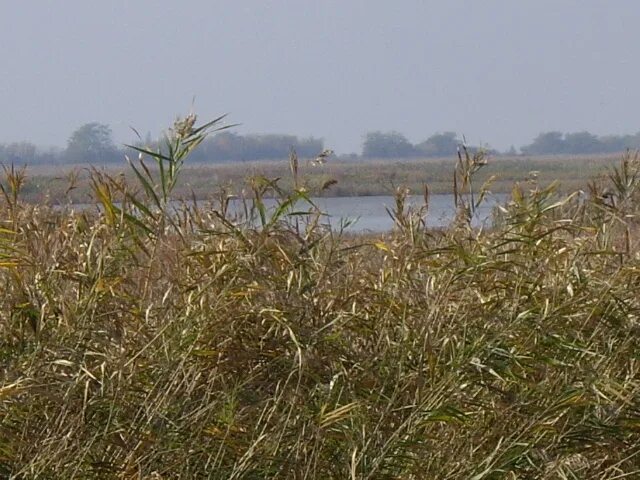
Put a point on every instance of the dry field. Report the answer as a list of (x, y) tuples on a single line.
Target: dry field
[(49, 184)]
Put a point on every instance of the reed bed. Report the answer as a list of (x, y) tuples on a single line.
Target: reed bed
[(142, 340), (50, 185)]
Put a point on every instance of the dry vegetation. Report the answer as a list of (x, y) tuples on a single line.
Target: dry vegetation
[(354, 178), (140, 342)]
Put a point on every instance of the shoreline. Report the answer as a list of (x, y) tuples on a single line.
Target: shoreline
[(65, 183)]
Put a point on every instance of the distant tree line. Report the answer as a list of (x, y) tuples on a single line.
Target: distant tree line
[(396, 145), (93, 143), (553, 143), (19, 153), (232, 147)]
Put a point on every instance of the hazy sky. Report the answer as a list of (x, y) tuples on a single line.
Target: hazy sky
[(498, 71)]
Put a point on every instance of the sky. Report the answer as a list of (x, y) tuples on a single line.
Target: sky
[(497, 71)]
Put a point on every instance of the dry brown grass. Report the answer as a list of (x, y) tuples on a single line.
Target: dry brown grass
[(140, 342), (47, 184)]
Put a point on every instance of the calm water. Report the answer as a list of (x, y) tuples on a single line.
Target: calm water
[(370, 215)]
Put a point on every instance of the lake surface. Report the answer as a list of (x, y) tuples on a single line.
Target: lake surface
[(370, 215)]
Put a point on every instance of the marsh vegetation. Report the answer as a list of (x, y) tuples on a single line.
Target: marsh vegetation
[(72, 183), (147, 340)]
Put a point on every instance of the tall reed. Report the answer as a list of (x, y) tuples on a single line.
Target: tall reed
[(153, 339)]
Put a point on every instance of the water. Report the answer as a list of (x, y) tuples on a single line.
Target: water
[(370, 215)]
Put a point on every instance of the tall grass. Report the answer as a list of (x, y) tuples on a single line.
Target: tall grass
[(371, 177), (143, 340)]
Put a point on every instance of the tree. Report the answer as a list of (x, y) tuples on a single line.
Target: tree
[(19, 152), (230, 146), (512, 152), (387, 145), (582, 142), (91, 143), (545, 144), (439, 145)]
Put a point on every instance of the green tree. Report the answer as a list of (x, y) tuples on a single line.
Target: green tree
[(545, 144), (387, 145), (439, 145), (91, 143), (582, 142), (229, 146)]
